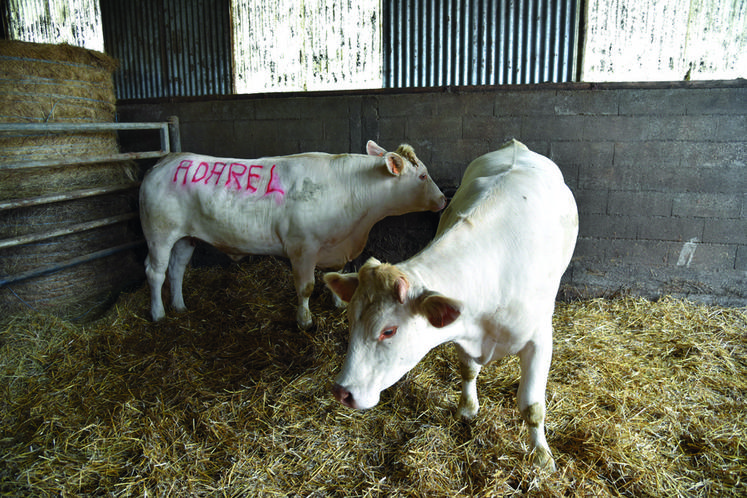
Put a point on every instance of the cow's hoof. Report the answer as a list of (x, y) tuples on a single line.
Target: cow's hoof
[(304, 320), (467, 409), (542, 459)]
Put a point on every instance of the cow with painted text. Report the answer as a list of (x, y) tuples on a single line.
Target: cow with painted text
[(487, 282), (316, 209)]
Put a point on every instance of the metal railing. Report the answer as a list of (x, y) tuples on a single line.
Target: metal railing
[(170, 142)]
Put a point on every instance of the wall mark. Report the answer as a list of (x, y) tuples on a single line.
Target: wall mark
[(687, 252)]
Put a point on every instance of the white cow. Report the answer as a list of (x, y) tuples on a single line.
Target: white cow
[(316, 209), (487, 282)]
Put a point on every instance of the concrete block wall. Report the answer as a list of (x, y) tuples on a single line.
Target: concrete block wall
[(659, 171)]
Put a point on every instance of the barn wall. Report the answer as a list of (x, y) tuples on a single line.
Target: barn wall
[(659, 170)]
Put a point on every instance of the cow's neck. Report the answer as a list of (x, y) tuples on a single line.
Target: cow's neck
[(440, 266), (361, 209), (368, 200)]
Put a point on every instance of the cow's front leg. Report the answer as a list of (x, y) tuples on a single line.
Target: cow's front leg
[(535, 366), (468, 402), (303, 276)]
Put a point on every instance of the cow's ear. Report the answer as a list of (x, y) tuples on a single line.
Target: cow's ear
[(394, 163), (343, 285), (373, 149), (438, 309)]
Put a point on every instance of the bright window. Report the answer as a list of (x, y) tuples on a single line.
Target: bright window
[(75, 22), (290, 45), (665, 40)]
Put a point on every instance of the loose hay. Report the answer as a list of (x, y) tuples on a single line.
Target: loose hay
[(230, 399)]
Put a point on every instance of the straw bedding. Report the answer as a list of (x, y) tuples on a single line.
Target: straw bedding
[(230, 399)]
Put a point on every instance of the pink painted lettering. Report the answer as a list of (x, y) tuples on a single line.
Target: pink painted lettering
[(184, 165), (274, 186), (204, 172), (205, 167), (251, 175), (233, 175), (216, 172)]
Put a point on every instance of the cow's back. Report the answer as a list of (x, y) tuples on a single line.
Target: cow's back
[(517, 220)]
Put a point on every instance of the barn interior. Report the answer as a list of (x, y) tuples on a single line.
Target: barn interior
[(647, 389)]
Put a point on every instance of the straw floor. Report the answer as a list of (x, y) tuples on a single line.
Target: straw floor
[(230, 399)]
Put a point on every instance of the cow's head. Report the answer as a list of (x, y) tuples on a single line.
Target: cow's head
[(392, 327), (417, 189)]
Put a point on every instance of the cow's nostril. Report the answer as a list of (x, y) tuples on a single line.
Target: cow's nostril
[(343, 396)]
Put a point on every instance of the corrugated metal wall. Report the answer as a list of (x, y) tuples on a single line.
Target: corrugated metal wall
[(169, 48), (479, 42), (183, 47)]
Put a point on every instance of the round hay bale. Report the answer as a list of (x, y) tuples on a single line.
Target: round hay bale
[(43, 83), (55, 83)]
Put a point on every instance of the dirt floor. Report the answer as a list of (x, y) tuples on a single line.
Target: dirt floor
[(231, 399)]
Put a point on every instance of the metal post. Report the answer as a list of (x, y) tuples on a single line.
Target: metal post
[(176, 139)]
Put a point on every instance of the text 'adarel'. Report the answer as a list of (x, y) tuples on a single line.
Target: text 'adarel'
[(240, 176)]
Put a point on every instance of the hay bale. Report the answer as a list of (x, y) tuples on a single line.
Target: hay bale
[(62, 84), (229, 398), (45, 83)]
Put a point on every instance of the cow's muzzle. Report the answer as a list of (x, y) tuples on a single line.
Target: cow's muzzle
[(440, 204), (343, 396)]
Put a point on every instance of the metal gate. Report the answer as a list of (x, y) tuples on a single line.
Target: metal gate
[(55, 233)]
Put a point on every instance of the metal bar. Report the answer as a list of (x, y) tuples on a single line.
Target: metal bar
[(166, 128), (73, 194), (88, 160), (11, 279), (165, 142), (72, 127), (78, 227), (175, 136)]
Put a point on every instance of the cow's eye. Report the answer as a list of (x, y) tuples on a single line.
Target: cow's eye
[(423, 176), (387, 333)]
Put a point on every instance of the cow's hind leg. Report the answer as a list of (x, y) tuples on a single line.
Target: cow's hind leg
[(303, 277), (156, 264), (180, 256), (468, 402), (535, 365)]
